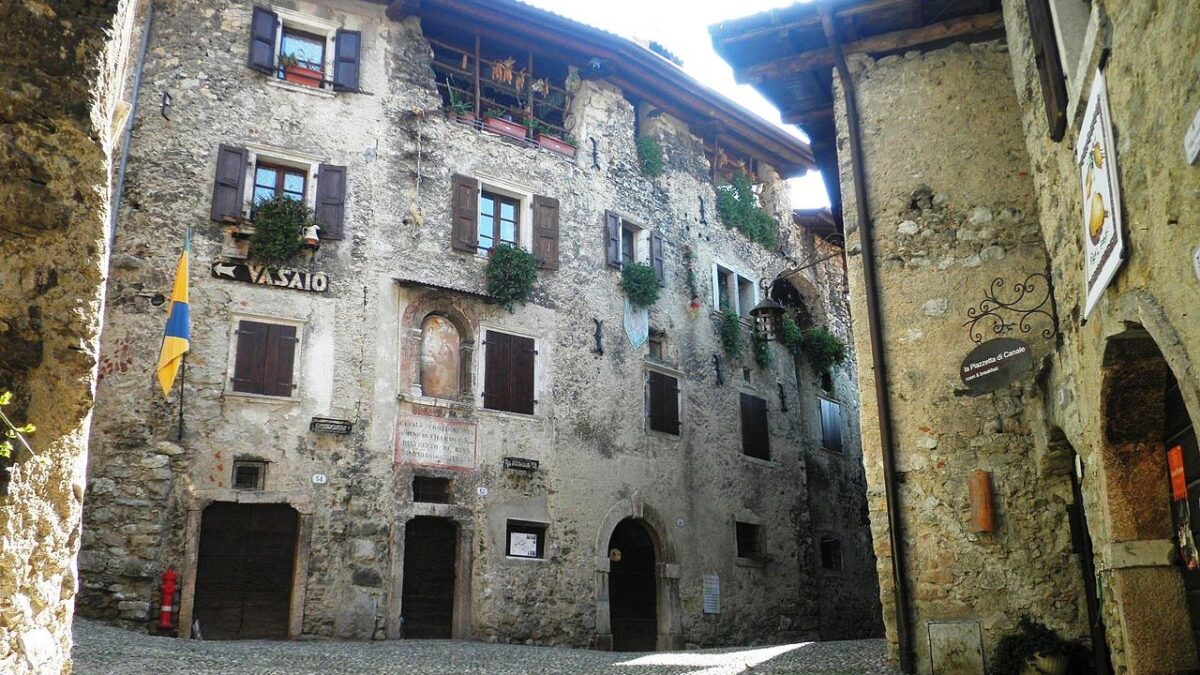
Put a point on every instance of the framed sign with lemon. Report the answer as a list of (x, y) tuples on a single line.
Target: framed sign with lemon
[(1095, 154)]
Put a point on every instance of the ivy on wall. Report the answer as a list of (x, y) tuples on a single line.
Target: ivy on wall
[(738, 207), (510, 274)]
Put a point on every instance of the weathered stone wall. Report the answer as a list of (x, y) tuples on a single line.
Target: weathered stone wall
[(953, 208), (597, 460), (1151, 71), (57, 71)]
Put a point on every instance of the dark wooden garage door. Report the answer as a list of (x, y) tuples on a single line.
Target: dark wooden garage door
[(244, 574), (632, 588), (428, 598)]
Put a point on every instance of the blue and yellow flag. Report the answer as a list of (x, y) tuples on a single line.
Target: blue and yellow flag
[(179, 324)]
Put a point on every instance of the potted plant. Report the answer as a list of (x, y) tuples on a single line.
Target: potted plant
[(1035, 649), (510, 274), (821, 348), (564, 146), (495, 120), (640, 284), (299, 72), (460, 110), (281, 225)]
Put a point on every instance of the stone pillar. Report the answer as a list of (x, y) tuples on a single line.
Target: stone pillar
[(60, 82)]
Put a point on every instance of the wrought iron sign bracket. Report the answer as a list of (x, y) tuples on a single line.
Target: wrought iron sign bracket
[(1015, 310)]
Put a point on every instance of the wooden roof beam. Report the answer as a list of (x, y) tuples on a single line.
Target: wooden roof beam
[(810, 19), (887, 42)]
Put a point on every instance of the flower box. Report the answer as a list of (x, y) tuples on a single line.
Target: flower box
[(467, 118), (557, 145), (504, 127), (303, 76)]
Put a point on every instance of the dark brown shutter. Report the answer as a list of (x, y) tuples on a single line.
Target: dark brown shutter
[(831, 426), (280, 360), (545, 231), (658, 258), (1049, 65), (262, 40), (250, 359), (521, 374), (346, 51), (663, 394), (230, 184), (496, 358), (464, 213), (756, 440), (331, 200), (612, 225)]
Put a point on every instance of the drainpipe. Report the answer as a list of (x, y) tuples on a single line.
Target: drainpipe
[(133, 107), (878, 360)]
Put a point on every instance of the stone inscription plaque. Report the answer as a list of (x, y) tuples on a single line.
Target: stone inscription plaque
[(432, 441)]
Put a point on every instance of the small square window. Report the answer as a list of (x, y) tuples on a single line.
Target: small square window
[(748, 545), (827, 382), (747, 374), (249, 475), (831, 553), (655, 346), (525, 539), (429, 490)]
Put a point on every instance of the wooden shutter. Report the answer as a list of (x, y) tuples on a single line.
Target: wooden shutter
[(831, 426), (464, 213), (263, 25), (612, 224), (331, 200), (756, 440), (346, 53), (496, 358), (230, 184), (521, 374), (545, 231), (666, 403), (250, 360), (657, 258), (280, 360), (1049, 65)]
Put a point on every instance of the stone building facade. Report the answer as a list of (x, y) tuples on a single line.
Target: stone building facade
[(968, 128), (366, 445), (60, 120)]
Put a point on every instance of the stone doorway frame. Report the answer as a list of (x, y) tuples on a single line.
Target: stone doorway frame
[(462, 622), (666, 573), (191, 555), (1146, 587)]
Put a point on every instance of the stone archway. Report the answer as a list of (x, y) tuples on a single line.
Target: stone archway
[(1147, 588), (666, 572)]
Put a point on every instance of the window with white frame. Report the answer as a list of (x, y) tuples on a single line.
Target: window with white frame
[(248, 175), (304, 50), (732, 291), (487, 212)]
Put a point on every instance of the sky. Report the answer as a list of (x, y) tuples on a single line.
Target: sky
[(682, 27)]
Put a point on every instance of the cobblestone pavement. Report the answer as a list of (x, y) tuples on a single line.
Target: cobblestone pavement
[(103, 650)]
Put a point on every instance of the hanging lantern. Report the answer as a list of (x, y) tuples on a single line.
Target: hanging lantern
[(766, 315)]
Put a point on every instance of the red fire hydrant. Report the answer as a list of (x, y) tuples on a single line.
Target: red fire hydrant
[(168, 598)]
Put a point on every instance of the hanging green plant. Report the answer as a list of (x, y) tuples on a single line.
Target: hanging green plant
[(693, 286), (762, 353), (822, 349), (738, 207), (731, 333), (640, 284), (510, 274), (650, 156), (279, 225), (790, 334)]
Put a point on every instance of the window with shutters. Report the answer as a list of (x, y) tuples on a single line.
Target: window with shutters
[(732, 291), (304, 50), (627, 242), (662, 402), (509, 372), (263, 358), (486, 212), (245, 176), (831, 426), (756, 437)]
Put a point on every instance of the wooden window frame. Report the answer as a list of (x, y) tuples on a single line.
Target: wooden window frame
[(281, 171), (516, 526), (841, 436), (498, 199), (259, 484), (422, 494), (652, 415), (290, 28)]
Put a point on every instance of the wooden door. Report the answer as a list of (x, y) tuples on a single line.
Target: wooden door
[(427, 601), (632, 588), (244, 572)]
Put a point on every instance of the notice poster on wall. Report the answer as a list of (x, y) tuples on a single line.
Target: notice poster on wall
[(1096, 157), (712, 593), (522, 544)]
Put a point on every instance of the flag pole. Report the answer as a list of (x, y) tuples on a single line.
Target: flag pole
[(182, 387)]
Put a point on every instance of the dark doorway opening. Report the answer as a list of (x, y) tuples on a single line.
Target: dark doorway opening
[(244, 571), (427, 602), (1081, 545), (632, 588)]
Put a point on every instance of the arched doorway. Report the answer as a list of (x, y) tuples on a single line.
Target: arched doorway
[(427, 601), (1140, 425), (632, 587)]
